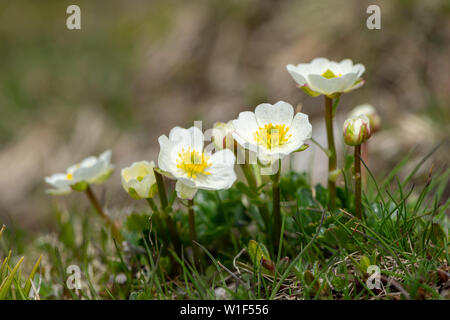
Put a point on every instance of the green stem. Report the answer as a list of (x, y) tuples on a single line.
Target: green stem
[(192, 231), (332, 152), (111, 224), (164, 207), (158, 222), (358, 211), (276, 206), (365, 158), (249, 174)]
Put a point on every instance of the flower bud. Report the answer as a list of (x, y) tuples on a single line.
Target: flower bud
[(356, 130), (370, 112), (139, 180)]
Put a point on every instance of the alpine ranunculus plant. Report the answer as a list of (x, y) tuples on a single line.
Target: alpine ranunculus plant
[(331, 79), (139, 180), (182, 156), (273, 132)]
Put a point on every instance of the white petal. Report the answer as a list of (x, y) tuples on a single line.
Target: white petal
[(356, 85), (301, 127), (89, 173), (358, 69), (168, 153), (245, 126), (106, 156), (279, 113), (142, 188), (138, 169), (192, 137), (344, 67), (59, 180), (326, 86), (319, 65), (184, 191), (88, 162), (222, 175), (296, 74)]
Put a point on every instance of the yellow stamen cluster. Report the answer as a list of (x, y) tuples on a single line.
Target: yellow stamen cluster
[(272, 136), (193, 162), (328, 74), (69, 176)]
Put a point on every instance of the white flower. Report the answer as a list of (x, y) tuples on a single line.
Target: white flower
[(90, 170), (272, 131), (369, 111), (182, 156), (139, 179), (356, 130), (330, 78)]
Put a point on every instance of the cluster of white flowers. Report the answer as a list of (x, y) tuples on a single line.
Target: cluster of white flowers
[(271, 132)]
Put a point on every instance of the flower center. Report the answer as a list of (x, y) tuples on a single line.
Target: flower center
[(193, 162), (69, 176), (272, 136), (328, 74)]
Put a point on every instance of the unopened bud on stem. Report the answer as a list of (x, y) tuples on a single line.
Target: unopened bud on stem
[(356, 130)]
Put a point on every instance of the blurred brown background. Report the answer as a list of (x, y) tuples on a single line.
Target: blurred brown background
[(138, 68)]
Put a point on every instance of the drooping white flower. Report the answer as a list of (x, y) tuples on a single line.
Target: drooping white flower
[(139, 180), (272, 131), (182, 155), (322, 76), (92, 170), (356, 130), (371, 113)]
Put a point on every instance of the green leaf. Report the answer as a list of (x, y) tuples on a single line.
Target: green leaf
[(364, 263), (27, 287), (260, 255), (349, 159), (2, 230), (6, 285)]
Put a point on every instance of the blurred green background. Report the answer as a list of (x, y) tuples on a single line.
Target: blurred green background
[(137, 68)]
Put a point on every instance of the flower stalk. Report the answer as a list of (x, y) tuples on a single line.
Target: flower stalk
[(358, 211), (249, 175), (192, 231), (164, 207), (332, 152), (252, 184), (159, 225), (365, 158), (356, 132), (276, 206), (111, 224)]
